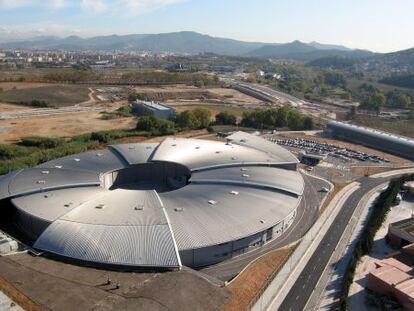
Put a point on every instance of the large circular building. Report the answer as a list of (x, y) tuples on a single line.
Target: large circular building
[(181, 202)]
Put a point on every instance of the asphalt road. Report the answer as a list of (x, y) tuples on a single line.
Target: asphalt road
[(308, 212), (308, 280)]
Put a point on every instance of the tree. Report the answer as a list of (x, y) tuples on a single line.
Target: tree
[(203, 116), (225, 118), (308, 123), (154, 124), (352, 113), (374, 102), (404, 101), (187, 120)]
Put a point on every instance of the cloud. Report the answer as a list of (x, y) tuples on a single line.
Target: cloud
[(136, 7), (59, 4), (10, 4), (96, 6)]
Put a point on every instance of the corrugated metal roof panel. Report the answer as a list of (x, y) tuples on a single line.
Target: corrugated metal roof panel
[(120, 207), (196, 223), (290, 181), (37, 179), (141, 246), (4, 184), (200, 154), (136, 153), (99, 161), (248, 140), (50, 205)]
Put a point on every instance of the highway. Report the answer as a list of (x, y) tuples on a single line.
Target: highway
[(301, 291)]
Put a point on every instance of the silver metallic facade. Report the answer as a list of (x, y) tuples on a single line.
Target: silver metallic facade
[(398, 145), (183, 201)]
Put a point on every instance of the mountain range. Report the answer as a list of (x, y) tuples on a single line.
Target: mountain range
[(188, 42)]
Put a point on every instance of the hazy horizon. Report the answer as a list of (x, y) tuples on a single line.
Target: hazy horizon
[(379, 26)]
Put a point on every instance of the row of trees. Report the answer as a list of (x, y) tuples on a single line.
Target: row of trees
[(372, 99), (136, 77), (200, 118), (277, 118)]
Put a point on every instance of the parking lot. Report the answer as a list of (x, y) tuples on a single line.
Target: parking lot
[(325, 149)]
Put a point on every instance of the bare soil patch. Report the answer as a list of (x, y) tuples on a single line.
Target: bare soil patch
[(371, 170), (66, 125), (176, 94), (22, 85), (56, 95), (254, 279)]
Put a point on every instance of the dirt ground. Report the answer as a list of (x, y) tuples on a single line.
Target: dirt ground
[(185, 95), (22, 85), (371, 170), (251, 281), (60, 286), (11, 130), (11, 108), (344, 144)]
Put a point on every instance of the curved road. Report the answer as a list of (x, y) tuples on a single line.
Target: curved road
[(301, 291)]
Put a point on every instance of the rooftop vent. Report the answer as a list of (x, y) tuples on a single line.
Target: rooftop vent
[(243, 140), (262, 221), (40, 182), (198, 147), (218, 151), (45, 172), (234, 192), (148, 147), (139, 208), (234, 158), (174, 145), (68, 204), (46, 196), (178, 209), (131, 147), (58, 166), (243, 169), (100, 206), (76, 159), (246, 175), (212, 202), (99, 154)]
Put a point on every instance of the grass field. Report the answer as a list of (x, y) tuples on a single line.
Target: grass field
[(53, 95), (400, 127)]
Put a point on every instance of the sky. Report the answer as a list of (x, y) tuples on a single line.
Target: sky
[(377, 25)]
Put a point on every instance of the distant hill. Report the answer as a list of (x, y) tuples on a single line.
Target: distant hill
[(178, 42), (388, 65), (300, 51), (185, 42)]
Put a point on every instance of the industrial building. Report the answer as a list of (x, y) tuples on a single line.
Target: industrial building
[(180, 202), (401, 233), (146, 108), (398, 145)]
